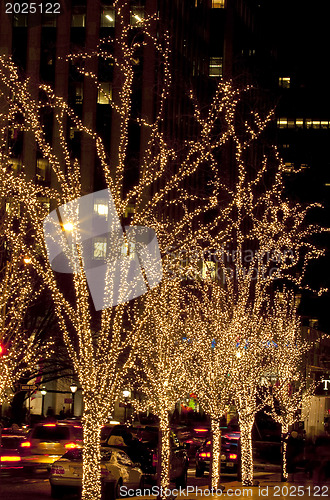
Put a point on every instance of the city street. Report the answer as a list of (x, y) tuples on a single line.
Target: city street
[(37, 487)]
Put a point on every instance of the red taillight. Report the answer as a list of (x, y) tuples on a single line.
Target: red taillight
[(10, 458), (190, 441), (201, 430), (154, 460), (232, 456), (70, 446), (205, 455), (208, 442), (25, 444), (49, 425)]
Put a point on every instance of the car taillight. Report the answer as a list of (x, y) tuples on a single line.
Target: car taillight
[(49, 425), (70, 446), (190, 441), (201, 430), (25, 444), (10, 458), (208, 443), (205, 454), (154, 460), (57, 470), (232, 456)]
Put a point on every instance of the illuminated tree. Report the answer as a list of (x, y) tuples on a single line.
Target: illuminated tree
[(20, 348), (290, 391), (160, 367), (212, 343)]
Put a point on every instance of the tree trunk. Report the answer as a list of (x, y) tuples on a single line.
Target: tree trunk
[(91, 484), (164, 451), (285, 430), (215, 464), (246, 424)]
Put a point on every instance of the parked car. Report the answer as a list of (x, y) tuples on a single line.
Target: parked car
[(116, 466), (10, 456), (230, 455), (193, 437), (47, 442), (179, 460)]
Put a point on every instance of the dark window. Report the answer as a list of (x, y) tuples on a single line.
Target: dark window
[(51, 433)]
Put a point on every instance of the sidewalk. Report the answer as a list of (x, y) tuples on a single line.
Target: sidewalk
[(268, 485)]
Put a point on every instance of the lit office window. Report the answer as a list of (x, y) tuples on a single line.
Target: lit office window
[(209, 270), (101, 208), (108, 18), (282, 122), (299, 122), (136, 16), (100, 247), (104, 95), (284, 82), (324, 124), (215, 68), (218, 4), (128, 249)]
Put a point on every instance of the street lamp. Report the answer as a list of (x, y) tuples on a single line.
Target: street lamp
[(43, 393), (126, 394), (73, 389)]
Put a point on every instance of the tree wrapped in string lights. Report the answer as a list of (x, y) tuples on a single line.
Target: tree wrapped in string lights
[(290, 389), (209, 365), (20, 349), (160, 371)]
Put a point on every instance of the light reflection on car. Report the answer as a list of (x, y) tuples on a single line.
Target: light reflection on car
[(116, 467)]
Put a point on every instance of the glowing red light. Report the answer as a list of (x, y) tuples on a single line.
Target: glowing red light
[(50, 425), (205, 454), (10, 458), (25, 444), (70, 446), (232, 456)]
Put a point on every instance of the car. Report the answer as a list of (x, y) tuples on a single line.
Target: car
[(179, 461), (193, 437), (47, 442), (10, 456), (230, 455), (116, 467)]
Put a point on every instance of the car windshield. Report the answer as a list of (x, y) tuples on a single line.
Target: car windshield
[(47, 433)]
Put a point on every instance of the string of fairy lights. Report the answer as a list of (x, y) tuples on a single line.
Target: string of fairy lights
[(253, 212)]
